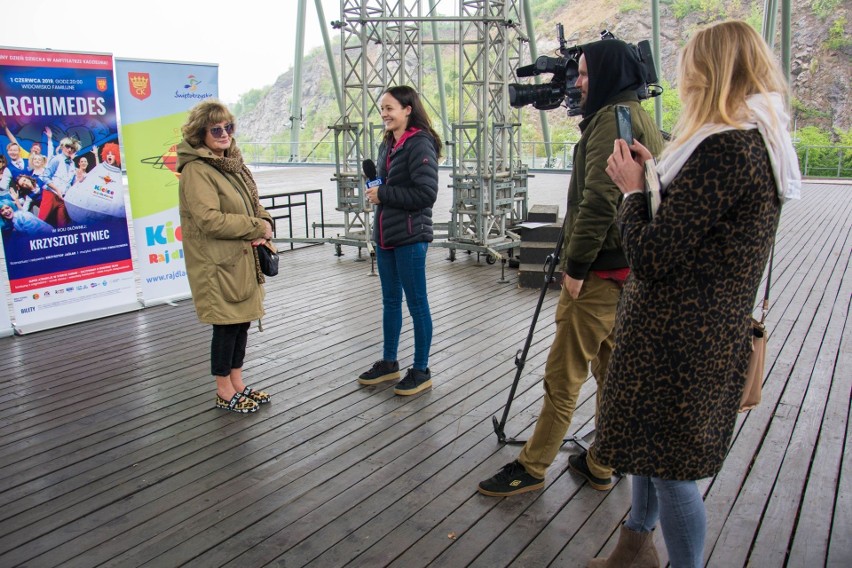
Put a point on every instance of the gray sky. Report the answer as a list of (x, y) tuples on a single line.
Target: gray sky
[(251, 44)]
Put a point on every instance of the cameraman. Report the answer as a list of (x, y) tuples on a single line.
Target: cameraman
[(594, 267)]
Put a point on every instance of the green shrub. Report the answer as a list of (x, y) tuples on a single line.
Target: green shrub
[(755, 17), (630, 6), (824, 8), (711, 9), (816, 154), (837, 37)]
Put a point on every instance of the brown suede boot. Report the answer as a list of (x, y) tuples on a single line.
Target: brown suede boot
[(634, 550)]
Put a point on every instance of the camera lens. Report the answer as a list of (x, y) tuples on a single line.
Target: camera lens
[(542, 97)]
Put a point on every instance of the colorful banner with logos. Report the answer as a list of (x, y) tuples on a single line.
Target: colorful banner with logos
[(62, 199), (5, 322), (155, 98)]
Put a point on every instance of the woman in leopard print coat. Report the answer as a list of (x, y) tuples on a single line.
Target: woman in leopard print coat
[(682, 336)]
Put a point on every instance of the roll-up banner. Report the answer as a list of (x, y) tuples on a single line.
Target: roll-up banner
[(5, 322), (62, 199), (155, 98)]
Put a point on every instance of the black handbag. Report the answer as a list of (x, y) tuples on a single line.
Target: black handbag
[(268, 257)]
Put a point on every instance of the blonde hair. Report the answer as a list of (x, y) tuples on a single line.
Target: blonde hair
[(201, 117), (720, 67), (70, 142), (40, 159)]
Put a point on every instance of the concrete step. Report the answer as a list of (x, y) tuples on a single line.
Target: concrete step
[(532, 276), (543, 214), (535, 252), (544, 234)]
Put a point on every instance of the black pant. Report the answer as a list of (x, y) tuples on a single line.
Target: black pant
[(228, 348)]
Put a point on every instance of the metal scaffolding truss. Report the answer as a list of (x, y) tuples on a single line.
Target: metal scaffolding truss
[(382, 44), (489, 181)]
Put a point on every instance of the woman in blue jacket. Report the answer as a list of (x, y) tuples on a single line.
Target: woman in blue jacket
[(402, 229)]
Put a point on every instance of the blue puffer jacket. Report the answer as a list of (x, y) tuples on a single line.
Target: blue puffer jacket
[(410, 188)]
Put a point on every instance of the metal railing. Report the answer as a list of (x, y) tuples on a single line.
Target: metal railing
[(826, 161), (814, 161), (282, 205)]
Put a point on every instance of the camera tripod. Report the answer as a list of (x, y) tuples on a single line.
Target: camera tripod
[(550, 264)]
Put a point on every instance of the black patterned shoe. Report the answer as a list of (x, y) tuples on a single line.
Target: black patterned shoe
[(259, 397), (511, 480), (380, 372)]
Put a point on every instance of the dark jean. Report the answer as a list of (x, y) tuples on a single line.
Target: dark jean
[(228, 348), (403, 269), (679, 508)]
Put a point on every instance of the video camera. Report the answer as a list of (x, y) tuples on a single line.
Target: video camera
[(561, 87)]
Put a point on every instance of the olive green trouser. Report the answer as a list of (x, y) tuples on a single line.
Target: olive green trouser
[(584, 334)]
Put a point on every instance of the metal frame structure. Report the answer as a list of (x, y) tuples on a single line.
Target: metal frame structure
[(489, 182)]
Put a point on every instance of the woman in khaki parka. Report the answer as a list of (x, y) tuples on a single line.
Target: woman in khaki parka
[(222, 222)]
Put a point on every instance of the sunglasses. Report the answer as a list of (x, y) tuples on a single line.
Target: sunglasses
[(218, 131)]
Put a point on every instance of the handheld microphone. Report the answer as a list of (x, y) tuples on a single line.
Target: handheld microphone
[(371, 173), (369, 169)]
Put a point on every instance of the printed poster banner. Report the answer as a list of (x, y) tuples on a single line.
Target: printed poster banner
[(155, 98), (5, 322), (62, 199)]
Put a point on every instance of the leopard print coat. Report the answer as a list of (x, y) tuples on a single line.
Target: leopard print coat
[(674, 382)]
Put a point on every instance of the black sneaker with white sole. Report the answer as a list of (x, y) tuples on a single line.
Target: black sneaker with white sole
[(510, 480), (380, 372), (413, 382)]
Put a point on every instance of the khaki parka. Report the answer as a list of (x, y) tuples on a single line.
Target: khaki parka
[(218, 226)]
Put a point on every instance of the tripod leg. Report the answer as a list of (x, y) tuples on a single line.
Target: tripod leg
[(521, 356)]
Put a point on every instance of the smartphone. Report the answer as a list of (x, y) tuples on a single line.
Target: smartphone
[(623, 125)]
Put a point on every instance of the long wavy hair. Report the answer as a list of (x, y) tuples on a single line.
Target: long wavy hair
[(720, 67), (201, 117), (407, 96)]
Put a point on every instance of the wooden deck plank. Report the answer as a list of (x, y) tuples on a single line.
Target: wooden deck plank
[(738, 495), (817, 512), (113, 455), (807, 412)]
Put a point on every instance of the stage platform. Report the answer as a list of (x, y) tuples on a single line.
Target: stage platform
[(113, 455)]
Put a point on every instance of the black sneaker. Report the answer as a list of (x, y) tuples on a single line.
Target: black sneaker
[(510, 480), (578, 464), (414, 382), (380, 372)]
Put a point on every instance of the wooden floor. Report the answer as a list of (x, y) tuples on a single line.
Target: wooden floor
[(112, 454)]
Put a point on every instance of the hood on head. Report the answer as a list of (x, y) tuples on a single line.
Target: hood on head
[(613, 68)]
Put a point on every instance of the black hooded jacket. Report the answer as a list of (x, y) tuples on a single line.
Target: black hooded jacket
[(613, 67), (591, 236)]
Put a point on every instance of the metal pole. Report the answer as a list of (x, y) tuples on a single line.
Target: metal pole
[(770, 10), (296, 102), (545, 125), (786, 14), (655, 46), (329, 54), (439, 69)]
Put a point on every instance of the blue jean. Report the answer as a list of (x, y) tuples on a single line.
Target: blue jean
[(679, 508), (403, 269)]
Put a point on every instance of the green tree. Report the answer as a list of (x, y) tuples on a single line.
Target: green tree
[(249, 100), (817, 157)]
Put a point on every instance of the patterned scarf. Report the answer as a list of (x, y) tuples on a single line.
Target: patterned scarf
[(233, 164)]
